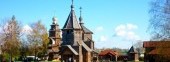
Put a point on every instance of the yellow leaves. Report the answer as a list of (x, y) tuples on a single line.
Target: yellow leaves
[(38, 37), (11, 30)]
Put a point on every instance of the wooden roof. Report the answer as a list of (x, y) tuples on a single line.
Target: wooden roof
[(85, 30), (158, 47), (71, 48), (156, 44), (160, 51), (132, 50), (109, 51), (72, 22)]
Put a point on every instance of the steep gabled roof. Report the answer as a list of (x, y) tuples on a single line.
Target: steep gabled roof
[(72, 22), (85, 30), (132, 50)]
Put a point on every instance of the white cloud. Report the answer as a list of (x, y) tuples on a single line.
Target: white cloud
[(103, 38), (99, 29), (120, 27), (131, 26), (127, 32), (121, 33), (104, 42), (132, 36)]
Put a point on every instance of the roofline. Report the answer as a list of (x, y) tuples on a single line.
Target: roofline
[(156, 41), (71, 28), (72, 49)]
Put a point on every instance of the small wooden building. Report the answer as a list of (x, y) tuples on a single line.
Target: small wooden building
[(108, 55), (133, 54), (156, 51)]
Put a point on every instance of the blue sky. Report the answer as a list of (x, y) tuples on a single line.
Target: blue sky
[(115, 23)]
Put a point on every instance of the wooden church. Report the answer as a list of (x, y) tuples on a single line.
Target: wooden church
[(75, 44)]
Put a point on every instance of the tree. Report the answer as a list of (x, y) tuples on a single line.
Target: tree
[(38, 38), (140, 50), (139, 46), (10, 40), (160, 27), (24, 51), (160, 19)]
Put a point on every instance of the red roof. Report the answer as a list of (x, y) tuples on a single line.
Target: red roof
[(160, 51), (159, 47), (105, 52), (156, 44)]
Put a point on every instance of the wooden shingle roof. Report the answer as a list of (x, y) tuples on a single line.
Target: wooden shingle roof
[(156, 44), (109, 51), (72, 22)]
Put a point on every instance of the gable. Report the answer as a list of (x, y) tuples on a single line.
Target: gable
[(67, 49)]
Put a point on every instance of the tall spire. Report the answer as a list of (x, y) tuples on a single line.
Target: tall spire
[(13, 17), (80, 18), (72, 6), (80, 10), (72, 1), (72, 22)]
